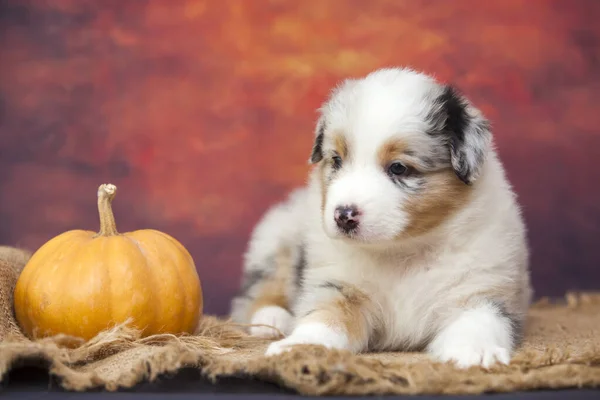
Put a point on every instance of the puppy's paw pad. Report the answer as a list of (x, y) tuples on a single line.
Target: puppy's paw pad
[(274, 321)]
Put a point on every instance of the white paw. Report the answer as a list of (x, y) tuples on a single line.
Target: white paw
[(468, 356), (310, 333), (269, 318), (476, 338)]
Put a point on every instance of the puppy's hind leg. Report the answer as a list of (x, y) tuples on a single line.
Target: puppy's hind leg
[(269, 309)]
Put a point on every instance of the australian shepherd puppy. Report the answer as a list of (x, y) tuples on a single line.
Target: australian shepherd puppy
[(407, 235)]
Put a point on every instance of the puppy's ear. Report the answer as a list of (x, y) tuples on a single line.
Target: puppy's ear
[(467, 133), (317, 149)]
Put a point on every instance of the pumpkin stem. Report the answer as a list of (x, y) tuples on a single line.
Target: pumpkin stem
[(106, 194)]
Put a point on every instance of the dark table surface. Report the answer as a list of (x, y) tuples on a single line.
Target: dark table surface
[(34, 383)]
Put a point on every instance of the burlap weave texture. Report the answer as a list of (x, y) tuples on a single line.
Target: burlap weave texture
[(561, 350)]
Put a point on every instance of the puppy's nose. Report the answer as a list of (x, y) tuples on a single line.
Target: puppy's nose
[(346, 217)]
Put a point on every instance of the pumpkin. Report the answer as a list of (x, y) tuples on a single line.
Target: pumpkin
[(81, 282)]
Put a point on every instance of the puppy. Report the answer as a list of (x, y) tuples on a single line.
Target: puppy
[(407, 235)]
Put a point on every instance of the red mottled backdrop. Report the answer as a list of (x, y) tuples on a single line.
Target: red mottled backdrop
[(201, 112)]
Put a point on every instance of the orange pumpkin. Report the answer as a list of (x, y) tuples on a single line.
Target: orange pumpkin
[(82, 282)]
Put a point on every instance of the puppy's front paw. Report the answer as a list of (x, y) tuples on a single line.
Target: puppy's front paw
[(310, 333), (275, 321), (478, 337)]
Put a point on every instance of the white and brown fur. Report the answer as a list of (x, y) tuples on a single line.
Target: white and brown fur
[(439, 259)]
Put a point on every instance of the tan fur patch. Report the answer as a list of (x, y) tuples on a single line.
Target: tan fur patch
[(274, 291), (391, 151), (340, 145), (441, 196), (345, 311), (324, 185), (341, 148)]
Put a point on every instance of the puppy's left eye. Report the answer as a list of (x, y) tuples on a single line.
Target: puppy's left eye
[(337, 162), (397, 169)]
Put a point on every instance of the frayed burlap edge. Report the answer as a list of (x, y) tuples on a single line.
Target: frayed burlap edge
[(120, 358)]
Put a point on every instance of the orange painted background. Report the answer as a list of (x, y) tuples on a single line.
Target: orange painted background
[(201, 112)]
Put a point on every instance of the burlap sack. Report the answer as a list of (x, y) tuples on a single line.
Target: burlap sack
[(561, 350)]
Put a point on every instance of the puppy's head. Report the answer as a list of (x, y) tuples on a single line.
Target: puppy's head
[(397, 154)]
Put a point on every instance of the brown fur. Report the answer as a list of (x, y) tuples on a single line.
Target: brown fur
[(324, 184), (341, 145), (442, 195), (391, 151), (274, 289), (345, 310)]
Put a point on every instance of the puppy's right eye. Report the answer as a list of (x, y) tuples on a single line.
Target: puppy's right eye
[(337, 162)]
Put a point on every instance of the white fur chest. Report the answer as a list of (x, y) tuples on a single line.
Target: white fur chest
[(409, 292)]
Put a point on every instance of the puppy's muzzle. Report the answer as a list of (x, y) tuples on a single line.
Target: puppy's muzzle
[(347, 218)]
